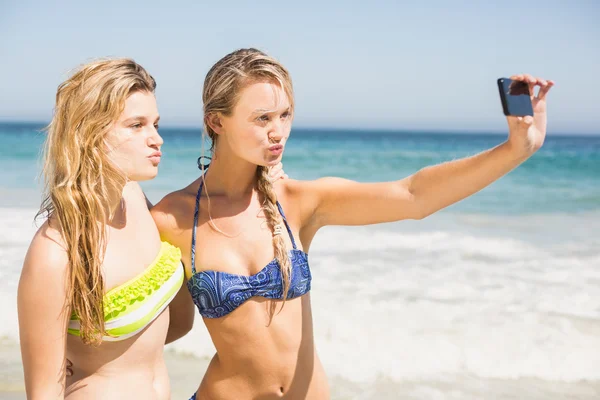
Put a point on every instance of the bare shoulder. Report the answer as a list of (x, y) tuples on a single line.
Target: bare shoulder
[(310, 190), (136, 189), (172, 203), (293, 187), (299, 197), (46, 261), (307, 197), (290, 188), (173, 212)]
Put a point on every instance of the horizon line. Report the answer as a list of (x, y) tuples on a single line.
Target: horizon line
[(469, 131)]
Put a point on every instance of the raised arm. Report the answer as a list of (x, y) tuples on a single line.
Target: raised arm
[(43, 316), (334, 201)]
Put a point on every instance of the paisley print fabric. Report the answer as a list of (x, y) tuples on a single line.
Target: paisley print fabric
[(216, 293)]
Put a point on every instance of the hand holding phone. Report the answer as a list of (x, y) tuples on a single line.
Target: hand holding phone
[(515, 97), (525, 110)]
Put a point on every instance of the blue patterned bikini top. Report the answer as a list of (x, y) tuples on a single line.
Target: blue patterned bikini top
[(216, 293)]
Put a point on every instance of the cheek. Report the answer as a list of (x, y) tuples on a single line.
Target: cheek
[(248, 137), (126, 152), (258, 133)]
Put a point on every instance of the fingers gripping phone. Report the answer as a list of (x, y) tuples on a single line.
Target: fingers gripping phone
[(515, 97)]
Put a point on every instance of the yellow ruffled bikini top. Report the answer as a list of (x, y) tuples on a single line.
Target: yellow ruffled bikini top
[(130, 307)]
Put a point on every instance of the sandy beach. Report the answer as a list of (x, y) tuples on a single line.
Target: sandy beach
[(186, 371)]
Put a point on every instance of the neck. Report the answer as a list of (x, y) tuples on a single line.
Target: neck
[(231, 177)]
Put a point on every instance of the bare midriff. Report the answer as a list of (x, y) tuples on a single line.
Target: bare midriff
[(130, 369), (264, 353)]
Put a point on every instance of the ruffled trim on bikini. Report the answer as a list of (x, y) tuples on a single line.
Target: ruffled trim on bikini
[(155, 275)]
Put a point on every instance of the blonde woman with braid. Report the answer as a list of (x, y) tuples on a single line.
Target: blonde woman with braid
[(97, 280), (244, 240)]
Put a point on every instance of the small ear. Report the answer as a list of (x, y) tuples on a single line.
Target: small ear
[(214, 121)]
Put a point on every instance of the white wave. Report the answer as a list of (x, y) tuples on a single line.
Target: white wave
[(415, 300), (405, 307)]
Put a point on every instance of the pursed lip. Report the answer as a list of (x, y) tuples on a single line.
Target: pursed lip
[(276, 147), (155, 158)]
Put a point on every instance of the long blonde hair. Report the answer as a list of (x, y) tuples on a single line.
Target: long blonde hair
[(79, 177), (222, 86)]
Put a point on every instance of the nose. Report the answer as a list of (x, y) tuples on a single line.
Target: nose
[(277, 132), (155, 140)]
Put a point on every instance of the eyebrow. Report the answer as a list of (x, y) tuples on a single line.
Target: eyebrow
[(269, 111), (139, 118)]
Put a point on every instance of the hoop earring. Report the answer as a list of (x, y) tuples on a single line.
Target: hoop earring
[(203, 166)]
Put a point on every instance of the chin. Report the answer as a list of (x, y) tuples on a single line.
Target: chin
[(147, 176), (272, 162)]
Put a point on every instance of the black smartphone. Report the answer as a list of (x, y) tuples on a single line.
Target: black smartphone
[(515, 97)]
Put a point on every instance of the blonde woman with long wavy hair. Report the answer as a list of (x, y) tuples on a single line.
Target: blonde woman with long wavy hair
[(244, 240), (97, 279)]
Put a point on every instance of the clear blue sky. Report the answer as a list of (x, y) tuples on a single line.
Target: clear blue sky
[(379, 64)]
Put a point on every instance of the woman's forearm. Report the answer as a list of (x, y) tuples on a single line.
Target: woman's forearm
[(439, 186)]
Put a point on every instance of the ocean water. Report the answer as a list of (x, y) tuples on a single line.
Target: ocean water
[(497, 296)]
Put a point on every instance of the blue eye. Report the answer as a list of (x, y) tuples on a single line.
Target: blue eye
[(263, 118)]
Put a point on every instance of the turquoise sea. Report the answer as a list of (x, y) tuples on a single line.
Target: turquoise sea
[(497, 297), (563, 176)]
